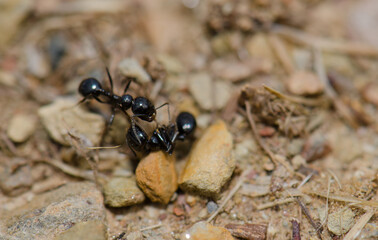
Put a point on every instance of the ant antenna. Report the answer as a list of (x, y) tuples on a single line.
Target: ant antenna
[(110, 79)]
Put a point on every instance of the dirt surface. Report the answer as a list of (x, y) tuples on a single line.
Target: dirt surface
[(296, 83)]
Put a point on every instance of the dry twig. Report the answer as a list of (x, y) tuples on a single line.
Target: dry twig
[(307, 213), (356, 229), (262, 144), (296, 99), (324, 44)]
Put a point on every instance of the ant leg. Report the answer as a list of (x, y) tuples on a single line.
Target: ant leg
[(107, 127), (99, 100), (131, 148), (169, 114), (110, 80), (134, 129)]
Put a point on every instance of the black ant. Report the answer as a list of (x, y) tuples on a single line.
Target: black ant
[(164, 137), (140, 106)]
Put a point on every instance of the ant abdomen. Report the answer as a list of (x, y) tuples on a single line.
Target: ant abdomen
[(186, 124)]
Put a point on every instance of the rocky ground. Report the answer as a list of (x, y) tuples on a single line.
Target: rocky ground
[(285, 95)]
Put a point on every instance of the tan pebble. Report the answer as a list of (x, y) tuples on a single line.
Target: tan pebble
[(206, 231), (259, 47), (211, 162), (21, 127), (156, 176), (209, 93), (341, 221), (122, 192), (304, 83), (131, 68), (62, 117)]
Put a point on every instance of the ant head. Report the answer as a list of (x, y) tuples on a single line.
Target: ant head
[(186, 124), (126, 101), (90, 86)]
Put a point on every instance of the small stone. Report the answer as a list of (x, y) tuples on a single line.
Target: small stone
[(211, 162), (267, 131), (122, 192), (178, 211), (7, 79), (295, 146), (208, 93), (211, 207), (37, 63), (137, 235), (259, 47), (170, 63), (15, 176), (304, 83), (341, 221), (131, 68), (94, 230), (21, 127), (51, 214), (298, 161), (63, 116), (206, 231), (231, 70), (156, 176)]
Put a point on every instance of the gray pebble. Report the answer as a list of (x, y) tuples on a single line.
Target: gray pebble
[(122, 192), (211, 207), (57, 212)]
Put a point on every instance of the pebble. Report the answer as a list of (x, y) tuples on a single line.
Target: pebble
[(122, 192), (211, 207), (36, 62), (15, 176), (94, 230), (54, 213), (170, 63), (156, 176), (205, 91), (341, 221), (21, 127), (130, 67), (211, 162), (205, 231), (259, 47), (7, 79), (231, 70), (304, 83), (62, 116)]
